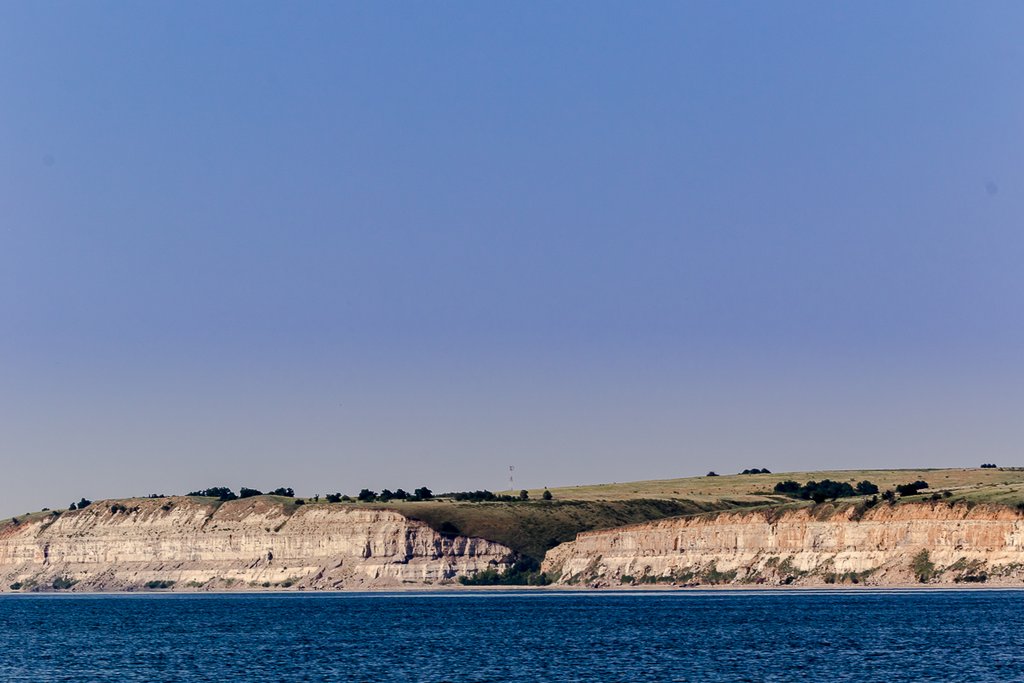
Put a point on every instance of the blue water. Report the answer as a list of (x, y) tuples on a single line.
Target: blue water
[(685, 636)]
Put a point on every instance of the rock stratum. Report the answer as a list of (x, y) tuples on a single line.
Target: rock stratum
[(912, 543), (255, 543), (258, 543)]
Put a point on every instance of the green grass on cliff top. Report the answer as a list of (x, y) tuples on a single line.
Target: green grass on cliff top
[(758, 487)]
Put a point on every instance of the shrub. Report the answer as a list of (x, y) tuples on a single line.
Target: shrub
[(922, 567), (524, 495), (16, 586), (525, 571), (287, 492), (63, 583), (988, 466), (156, 585), (299, 501), (972, 578), (755, 470), (547, 495), (448, 529), (713, 575), (712, 473), (911, 489), (333, 497)]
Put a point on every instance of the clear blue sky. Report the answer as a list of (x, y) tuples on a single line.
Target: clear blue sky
[(332, 245)]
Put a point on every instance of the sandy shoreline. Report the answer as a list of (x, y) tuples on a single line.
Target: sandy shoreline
[(452, 591)]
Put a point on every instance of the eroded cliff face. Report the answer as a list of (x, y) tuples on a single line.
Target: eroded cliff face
[(885, 545), (246, 544)]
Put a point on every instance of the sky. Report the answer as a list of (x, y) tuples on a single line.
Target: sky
[(343, 245)]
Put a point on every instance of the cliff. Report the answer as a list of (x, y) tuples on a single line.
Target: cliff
[(253, 543), (884, 545), (260, 543)]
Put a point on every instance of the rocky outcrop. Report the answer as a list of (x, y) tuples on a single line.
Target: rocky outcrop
[(883, 545), (256, 543)]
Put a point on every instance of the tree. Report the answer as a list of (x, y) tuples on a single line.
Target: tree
[(84, 503), (366, 496), (818, 491), (866, 488), (221, 493), (286, 492), (911, 489), (385, 495), (249, 493), (333, 497), (423, 493)]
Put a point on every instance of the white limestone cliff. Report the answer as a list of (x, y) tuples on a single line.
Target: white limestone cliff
[(246, 544), (884, 545)]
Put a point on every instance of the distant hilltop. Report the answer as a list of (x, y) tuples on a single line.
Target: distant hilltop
[(756, 528)]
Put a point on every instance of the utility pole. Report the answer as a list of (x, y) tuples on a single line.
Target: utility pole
[(511, 481)]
